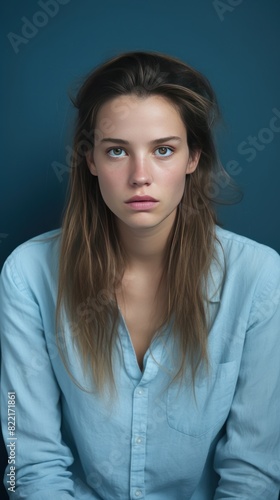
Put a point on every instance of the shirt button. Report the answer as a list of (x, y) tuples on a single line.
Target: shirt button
[(140, 392), (138, 440), (138, 493)]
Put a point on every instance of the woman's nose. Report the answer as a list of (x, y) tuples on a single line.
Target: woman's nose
[(140, 171)]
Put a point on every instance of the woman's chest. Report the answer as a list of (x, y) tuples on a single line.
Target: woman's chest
[(142, 309)]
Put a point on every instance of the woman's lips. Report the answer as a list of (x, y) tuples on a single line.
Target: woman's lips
[(142, 202), (142, 205)]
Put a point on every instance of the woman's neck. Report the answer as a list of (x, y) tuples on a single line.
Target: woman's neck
[(144, 247)]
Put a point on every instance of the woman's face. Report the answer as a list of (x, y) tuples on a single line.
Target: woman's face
[(144, 153)]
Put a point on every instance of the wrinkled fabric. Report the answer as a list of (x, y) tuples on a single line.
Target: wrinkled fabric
[(154, 440)]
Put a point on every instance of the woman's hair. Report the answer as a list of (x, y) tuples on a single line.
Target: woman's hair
[(92, 260)]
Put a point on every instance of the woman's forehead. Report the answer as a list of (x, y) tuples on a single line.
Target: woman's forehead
[(131, 112)]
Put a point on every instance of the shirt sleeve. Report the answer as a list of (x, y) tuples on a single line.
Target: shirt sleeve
[(247, 458), (41, 457)]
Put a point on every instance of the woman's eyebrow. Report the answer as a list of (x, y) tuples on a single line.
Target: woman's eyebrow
[(154, 141), (166, 139), (111, 139)]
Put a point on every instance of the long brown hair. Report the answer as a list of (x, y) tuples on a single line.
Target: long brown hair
[(92, 261)]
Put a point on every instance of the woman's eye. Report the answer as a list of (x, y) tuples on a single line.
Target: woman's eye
[(116, 152), (164, 151)]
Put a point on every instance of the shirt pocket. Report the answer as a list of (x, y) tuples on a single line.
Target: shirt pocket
[(197, 413)]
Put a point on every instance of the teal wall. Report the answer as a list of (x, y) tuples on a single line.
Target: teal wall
[(49, 45)]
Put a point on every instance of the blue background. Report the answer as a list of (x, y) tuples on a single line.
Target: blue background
[(235, 44)]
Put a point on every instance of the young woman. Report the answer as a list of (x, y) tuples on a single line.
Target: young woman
[(140, 343)]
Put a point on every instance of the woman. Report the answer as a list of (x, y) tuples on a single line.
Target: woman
[(140, 343)]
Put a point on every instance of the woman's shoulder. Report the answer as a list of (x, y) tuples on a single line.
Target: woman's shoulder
[(246, 262), (37, 246), (235, 246), (33, 259)]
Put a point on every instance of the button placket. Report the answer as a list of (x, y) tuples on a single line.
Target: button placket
[(138, 443)]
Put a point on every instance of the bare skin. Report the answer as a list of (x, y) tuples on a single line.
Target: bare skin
[(138, 300), (141, 309)]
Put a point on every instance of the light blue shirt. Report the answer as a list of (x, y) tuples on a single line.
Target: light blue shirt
[(152, 442)]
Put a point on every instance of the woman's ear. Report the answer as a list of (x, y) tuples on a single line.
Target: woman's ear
[(90, 162), (193, 161)]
